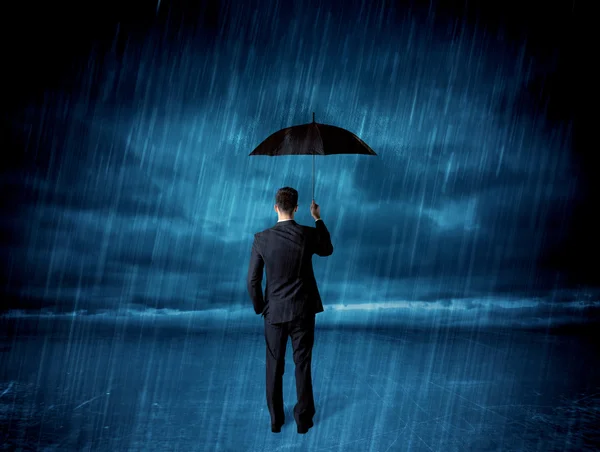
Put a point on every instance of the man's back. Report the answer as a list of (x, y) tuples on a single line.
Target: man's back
[(285, 251)]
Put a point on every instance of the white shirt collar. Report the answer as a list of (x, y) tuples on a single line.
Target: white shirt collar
[(289, 219)]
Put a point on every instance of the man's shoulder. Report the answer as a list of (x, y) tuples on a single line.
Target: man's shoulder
[(302, 227)]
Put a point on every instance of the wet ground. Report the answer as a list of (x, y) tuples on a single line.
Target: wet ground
[(182, 384)]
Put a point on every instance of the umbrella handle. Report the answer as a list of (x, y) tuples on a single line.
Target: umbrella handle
[(313, 172), (313, 178)]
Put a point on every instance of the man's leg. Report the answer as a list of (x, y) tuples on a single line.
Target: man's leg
[(276, 340), (302, 332)]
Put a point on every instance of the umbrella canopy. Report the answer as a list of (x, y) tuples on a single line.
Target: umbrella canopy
[(312, 139)]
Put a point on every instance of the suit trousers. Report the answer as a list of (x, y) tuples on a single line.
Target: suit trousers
[(302, 333)]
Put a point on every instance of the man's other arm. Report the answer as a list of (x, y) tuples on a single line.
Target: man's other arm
[(254, 281), (323, 245)]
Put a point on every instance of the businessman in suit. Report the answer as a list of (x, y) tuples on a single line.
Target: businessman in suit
[(291, 301)]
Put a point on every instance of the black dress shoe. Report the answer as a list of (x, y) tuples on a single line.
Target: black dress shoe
[(276, 428), (304, 428)]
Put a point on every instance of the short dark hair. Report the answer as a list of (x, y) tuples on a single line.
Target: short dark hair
[(287, 200)]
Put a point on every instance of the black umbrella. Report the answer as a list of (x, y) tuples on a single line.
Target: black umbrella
[(312, 138)]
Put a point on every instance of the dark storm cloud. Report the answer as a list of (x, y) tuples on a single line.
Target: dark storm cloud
[(89, 258), (458, 211), (456, 170), (124, 194), (490, 238), (93, 169), (110, 222), (403, 245), (441, 176)]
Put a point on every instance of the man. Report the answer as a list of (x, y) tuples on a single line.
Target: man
[(291, 301)]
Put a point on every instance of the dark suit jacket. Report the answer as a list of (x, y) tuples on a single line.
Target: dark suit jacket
[(286, 251)]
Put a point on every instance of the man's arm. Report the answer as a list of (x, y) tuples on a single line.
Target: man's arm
[(254, 281), (323, 245)]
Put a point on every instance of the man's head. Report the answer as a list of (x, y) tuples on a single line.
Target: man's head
[(286, 203)]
